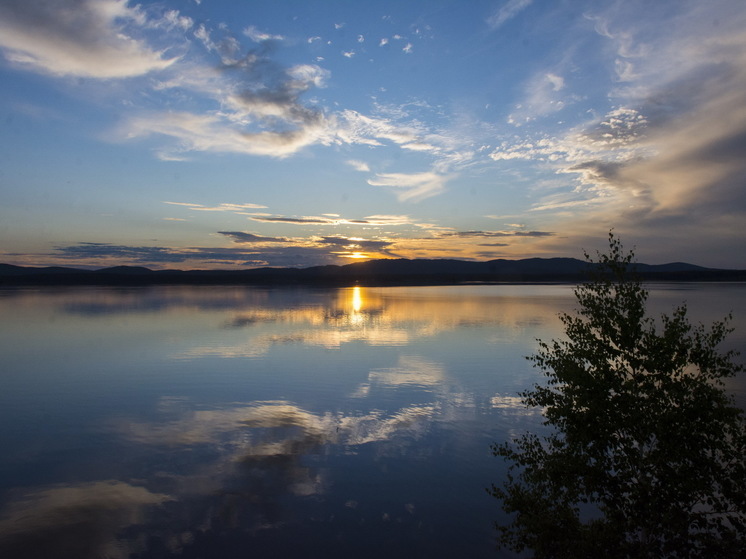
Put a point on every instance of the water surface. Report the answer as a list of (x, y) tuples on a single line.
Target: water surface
[(234, 422)]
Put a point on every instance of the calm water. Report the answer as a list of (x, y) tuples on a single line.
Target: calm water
[(241, 422)]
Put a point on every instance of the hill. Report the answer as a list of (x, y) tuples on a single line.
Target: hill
[(372, 272)]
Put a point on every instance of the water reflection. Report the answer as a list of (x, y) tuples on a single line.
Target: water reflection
[(275, 428), (80, 520), (376, 317), (221, 422)]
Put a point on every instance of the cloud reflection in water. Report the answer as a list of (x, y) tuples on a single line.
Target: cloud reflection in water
[(342, 396)]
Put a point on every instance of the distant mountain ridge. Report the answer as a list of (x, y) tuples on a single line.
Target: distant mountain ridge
[(372, 272)]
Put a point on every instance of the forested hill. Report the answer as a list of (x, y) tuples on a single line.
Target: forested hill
[(372, 272)]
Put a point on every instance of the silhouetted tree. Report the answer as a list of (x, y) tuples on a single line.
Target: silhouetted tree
[(646, 454)]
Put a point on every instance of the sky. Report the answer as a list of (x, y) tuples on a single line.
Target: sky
[(233, 134)]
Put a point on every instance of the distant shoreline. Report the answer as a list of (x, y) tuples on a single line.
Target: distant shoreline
[(373, 273)]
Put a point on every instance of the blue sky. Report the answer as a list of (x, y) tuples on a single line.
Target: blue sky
[(225, 134)]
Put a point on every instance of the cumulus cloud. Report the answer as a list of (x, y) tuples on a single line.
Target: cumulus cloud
[(85, 38)]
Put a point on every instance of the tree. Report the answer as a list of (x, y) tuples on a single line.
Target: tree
[(645, 456)]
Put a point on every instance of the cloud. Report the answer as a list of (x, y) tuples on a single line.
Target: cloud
[(261, 112), (173, 19), (214, 133), (619, 135), (358, 165), (411, 187), (237, 208), (542, 98), (148, 254), (296, 220), (81, 38), (669, 156), (498, 234), (248, 238), (260, 36), (228, 47), (334, 219), (507, 12), (387, 220), (357, 244), (296, 255)]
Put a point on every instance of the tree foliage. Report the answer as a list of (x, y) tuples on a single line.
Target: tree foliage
[(646, 454)]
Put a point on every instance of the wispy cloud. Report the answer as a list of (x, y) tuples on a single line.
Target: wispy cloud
[(334, 220), (308, 220), (387, 220), (260, 36), (413, 186), (358, 165), (237, 208), (498, 234), (216, 133), (255, 250), (543, 97), (250, 238), (249, 102), (506, 12), (670, 153)]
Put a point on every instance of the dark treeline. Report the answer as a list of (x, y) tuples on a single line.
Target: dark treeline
[(370, 273)]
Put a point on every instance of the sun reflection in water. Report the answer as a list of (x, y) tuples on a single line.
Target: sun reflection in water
[(357, 299), (357, 316)]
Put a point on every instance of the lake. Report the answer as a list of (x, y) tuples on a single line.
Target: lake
[(233, 422)]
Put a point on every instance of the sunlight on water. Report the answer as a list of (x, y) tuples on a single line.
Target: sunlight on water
[(210, 422)]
